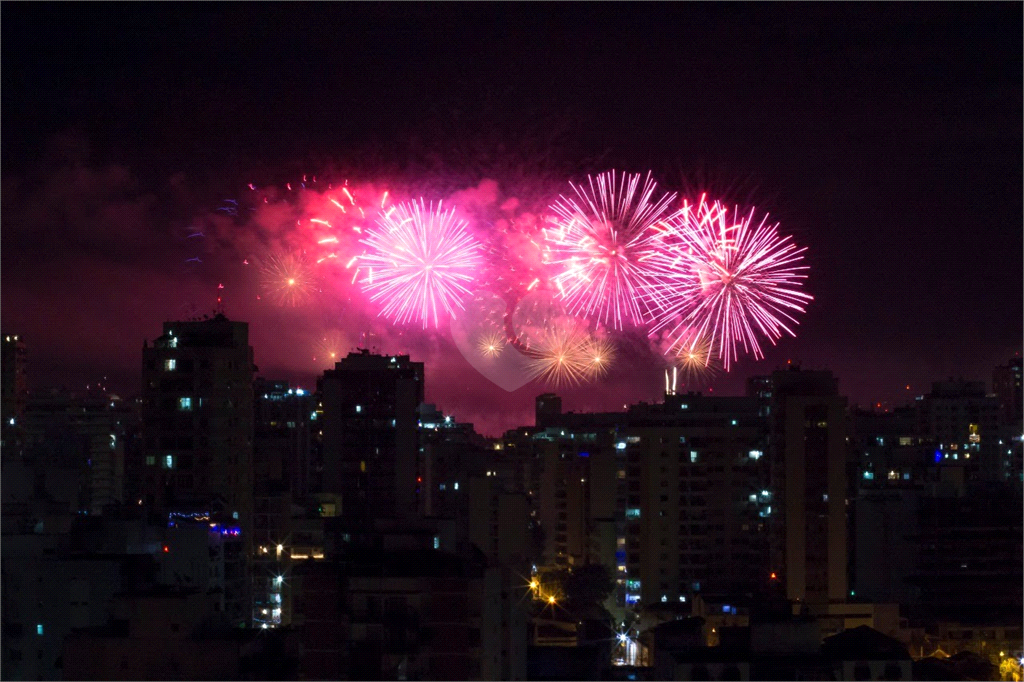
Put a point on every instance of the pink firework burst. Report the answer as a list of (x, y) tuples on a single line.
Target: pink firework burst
[(602, 244), (728, 280), (420, 260)]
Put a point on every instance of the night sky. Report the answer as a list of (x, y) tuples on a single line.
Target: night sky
[(886, 138)]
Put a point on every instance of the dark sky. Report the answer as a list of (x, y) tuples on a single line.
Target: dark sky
[(886, 138)]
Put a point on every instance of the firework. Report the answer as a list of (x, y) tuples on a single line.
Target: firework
[(420, 261), (330, 348), (694, 357), (599, 355), (287, 278), (604, 237), (560, 358), (491, 344), (727, 280)]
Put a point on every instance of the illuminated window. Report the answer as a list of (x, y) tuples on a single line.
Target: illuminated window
[(869, 475), (755, 454), (169, 462), (173, 343), (437, 542), (185, 404), (693, 456), (150, 460), (893, 476), (362, 466), (170, 364), (633, 513), (359, 408), (39, 628)]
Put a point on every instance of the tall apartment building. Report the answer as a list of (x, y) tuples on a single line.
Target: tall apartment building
[(370, 433), (285, 421), (197, 417), (673, 498), (807, 455)]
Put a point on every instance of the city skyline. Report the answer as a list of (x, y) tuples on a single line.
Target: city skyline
[(899, 173)]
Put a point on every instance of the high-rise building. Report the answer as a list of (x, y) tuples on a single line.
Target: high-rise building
[(197, 417), (672, 498), (285, 420), (807, 451), (371, 434)]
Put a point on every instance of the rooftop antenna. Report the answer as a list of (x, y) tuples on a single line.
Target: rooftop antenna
[(219, 310)]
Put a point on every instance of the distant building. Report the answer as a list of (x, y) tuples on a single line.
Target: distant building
[(407, 614), (370, 433), (1006, 384), (808, 476), (672, 498), (286, 424), (167, 634), (197, 415)]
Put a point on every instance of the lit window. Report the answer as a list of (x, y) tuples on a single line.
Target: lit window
[(39, 628), (173, 343), (684, 406), (869, 475), (359, 408), (755, 454), (620, 445), (170, 364), (456, 485), (633, 513), (893, 476), (734, 422), (693, 456), (185, 404), (169, 462), (437, 542), (150, 460)]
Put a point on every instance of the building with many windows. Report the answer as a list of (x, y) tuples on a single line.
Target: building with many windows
[(197, 416)]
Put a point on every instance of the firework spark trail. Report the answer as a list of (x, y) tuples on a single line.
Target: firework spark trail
[(287, 278), (420, 261), (603, 242), (725, 281)]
